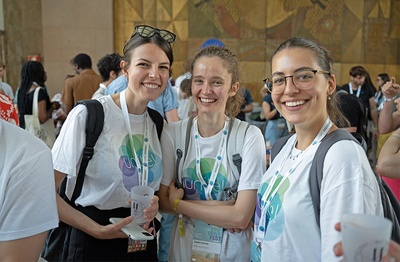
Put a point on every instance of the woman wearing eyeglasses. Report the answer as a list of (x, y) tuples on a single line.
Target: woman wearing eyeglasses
[(286, 229), (127, 154), (215, 203)]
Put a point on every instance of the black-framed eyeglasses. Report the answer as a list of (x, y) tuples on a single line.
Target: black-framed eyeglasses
[(303, 79), (148, 31)]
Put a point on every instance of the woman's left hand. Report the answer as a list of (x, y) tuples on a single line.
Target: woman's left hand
[(151, 211), (174, 193)]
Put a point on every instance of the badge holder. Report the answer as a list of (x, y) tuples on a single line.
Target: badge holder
[(207, 242)]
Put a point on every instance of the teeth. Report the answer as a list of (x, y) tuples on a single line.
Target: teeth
[(297, 103), (205, 100), (150, 86)]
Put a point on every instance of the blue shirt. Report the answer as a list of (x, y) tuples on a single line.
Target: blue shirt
[(164, 103)]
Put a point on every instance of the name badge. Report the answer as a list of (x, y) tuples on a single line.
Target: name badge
[(207, 242)]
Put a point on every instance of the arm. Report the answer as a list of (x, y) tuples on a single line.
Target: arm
[(67, 98), (23, 249), (374, 115), (248, 108), (237, 215), (172, 115), (77, 219), (388, 120), (267, 110), (388, 162)]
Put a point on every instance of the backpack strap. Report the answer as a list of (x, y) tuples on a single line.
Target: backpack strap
[(236, 136), (157, 119), (182, 133), (278, 145), (94, 126), (317, 166)]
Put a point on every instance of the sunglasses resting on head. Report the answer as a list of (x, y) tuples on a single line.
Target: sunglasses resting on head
[(148, 31)]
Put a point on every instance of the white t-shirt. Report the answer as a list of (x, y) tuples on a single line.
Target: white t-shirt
[(99, 92), (235, 246), (27, 190), (348, 186), (112, 172)]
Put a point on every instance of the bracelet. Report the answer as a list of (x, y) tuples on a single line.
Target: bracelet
[(176, 202), (389, 99)]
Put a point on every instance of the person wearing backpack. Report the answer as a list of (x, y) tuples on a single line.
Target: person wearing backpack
[(285, 227), (126, 154), (216, 197)]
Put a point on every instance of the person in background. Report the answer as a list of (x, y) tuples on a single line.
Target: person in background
[(109, 69), (381, 79), (127, 154), (361, 86), (28, 207), (33, 76), (276, 124), (166, 104), (82, 85), (212, 198), (302, 87), (7, 89), (247, 105), (190, 107), (389, 121)]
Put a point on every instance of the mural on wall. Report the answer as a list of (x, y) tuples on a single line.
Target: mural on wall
[(355, 32)]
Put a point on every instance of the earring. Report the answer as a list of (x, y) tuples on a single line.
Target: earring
[(329, 97)]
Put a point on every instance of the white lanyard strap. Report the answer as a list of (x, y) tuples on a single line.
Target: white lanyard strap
[(143, 171), (351, 90), (217, 162), (268, 196)]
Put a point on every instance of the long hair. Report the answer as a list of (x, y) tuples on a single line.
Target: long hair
[(32, 71)]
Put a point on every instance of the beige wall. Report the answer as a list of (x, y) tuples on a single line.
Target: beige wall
[(72, 27), (56, 30)]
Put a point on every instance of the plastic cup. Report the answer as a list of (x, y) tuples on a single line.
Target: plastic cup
[(140, 199), (365, 237)]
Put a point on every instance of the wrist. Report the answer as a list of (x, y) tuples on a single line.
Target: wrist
[(175, 205), (386, 99)]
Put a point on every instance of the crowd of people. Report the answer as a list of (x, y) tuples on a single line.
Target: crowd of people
[(208, 165)]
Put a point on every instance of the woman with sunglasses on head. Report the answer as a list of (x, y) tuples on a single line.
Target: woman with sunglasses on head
[(127, 154), (285, 227), (213, 200)]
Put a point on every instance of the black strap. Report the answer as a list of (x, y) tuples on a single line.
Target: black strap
[(278, 145), (179, 152), (317, 166), (94, 126), (157, 119)]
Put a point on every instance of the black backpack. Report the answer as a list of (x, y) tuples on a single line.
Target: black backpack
[(390, 204)]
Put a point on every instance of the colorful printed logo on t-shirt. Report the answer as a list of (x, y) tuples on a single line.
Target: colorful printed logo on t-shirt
[(193, 187), (127, 163), (275, 217)]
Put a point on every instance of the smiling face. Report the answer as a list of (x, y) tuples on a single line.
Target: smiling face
[(302, 107), (147, 72), (212, 85)]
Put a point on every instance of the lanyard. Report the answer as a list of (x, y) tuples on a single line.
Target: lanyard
[(217, 162), (143, 172), (351, 90), (269, 194)]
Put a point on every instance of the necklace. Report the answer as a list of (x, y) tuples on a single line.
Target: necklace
[(294, 157)]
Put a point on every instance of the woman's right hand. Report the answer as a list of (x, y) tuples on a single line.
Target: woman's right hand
[(112, 231)]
